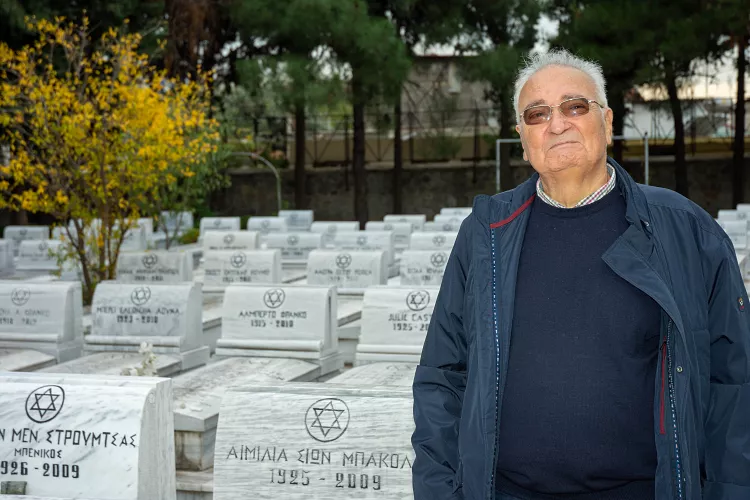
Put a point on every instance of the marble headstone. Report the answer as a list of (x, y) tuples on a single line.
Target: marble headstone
[(737, 232), (298, 220), (367, 241), (347, 270), (394, 323), (401, 231), (166, 316), (423, 267), (230, 240), (6, 257), (75, 437), (294, 247), (730, 215), (17, 234), (461, 211), (266, 225), (314, 441), (219, 224), (135, 240), (178, 222), (222, 268), (416, 220), (147, 223), (155, 267), (376, 374), (453, 220), (433, 240), (329, 229), (432, 226), (39, 255), (39, 318)]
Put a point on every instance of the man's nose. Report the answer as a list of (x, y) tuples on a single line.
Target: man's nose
[(557, 122)]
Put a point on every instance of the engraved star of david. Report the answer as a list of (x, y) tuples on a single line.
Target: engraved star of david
[(327, 420), (42, 246), (265, 224), (438, 240), (217, 222), (417, 300), (238, 259), (150, 260), (45, 403), (140, 295), (447, 227), (361, 240), (292, 240), (274, 298), (343, 260), (20, 296), (22, 232), (438, 259), (388, 227), (228, 239)]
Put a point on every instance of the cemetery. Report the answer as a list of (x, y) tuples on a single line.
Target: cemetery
[(301, 332)]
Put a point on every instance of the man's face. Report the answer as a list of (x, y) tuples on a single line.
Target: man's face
[(562, 142)]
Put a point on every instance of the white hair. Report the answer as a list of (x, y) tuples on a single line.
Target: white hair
[(560, 57)]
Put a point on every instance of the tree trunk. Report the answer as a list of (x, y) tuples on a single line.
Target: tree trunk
[(506, 123), (300, 198), (617, 103), (358, 157), (398, 159), (738, 149), (680, 167)]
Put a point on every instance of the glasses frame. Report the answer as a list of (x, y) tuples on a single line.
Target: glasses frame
[(549, 115)]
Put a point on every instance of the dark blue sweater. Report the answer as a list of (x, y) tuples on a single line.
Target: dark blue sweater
[(577, 415)]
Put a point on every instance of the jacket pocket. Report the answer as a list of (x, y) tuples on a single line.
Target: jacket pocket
[(662, 392)]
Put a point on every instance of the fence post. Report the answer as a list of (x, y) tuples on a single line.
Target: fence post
[(645, 159), (411, 137), (476, 136), (346, 152)]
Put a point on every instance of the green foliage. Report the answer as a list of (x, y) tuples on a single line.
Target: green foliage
[(190, 236)]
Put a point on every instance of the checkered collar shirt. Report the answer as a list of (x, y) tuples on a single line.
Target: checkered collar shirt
[(595, 196)]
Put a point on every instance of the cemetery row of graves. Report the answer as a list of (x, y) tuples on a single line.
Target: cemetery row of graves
[(271, 361)]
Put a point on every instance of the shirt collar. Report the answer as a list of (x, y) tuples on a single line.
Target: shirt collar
[(595, 196)]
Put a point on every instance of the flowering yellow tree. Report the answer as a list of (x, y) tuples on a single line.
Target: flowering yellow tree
[(95, 133)]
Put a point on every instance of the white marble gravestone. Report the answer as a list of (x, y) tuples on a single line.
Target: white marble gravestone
[(125, 315), (219, 224), (230, 240), (742, 258), (433, 240), (135, 240), (453, 220), (737, 232), (432, 226), (378, 374), (296, 441), (147, 223), (266, 225), (298, 220), (348, 271), (6, 257), (329, 229), (367, 240), (461, 211), (401, 231), (177, 222), (416, 220), (222, 268), (423, 267), (394, 323), (155, 267), (38, 256), (294, 247), (730, 215), (75, 437), (40, 324), (17, 234)]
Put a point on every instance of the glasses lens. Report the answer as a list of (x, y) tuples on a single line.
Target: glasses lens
[(536, 115), (574, 107)]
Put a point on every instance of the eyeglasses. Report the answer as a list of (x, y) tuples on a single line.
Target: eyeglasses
[(570, 108)]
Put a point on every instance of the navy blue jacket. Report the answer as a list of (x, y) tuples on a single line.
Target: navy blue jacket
[(674, 252)]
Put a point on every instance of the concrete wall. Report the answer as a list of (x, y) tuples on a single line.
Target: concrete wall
[(427, 188)]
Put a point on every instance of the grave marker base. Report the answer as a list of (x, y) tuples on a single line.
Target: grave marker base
[(112, 363), (187, 359), (24, 360)]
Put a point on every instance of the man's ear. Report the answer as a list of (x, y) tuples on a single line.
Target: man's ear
[(518, 129), (608, 116)]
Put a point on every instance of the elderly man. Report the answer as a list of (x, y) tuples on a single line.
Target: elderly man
[(591, 337)]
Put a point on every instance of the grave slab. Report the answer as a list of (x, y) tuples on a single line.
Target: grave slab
[(433, 240), (453, 220), (314, 441), (6, 258), (461, 211), (423, 267), (350, 272), (401, 231), (266, 225), (155, 267), (219, 224), (294, 247), (378, 374), (298, 220), (16, 234), (38, 256), (73, 437), (433, 226), (135, 240), (40, 324), (737, 232), (222, 268), (730, 215), (349, 338), (394, 323), (416, 220), (329, 229), (230, 240), (367, 241)]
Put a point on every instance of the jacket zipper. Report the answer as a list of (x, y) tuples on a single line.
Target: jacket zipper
[(497, 361), (663, 404), (678, 464)]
